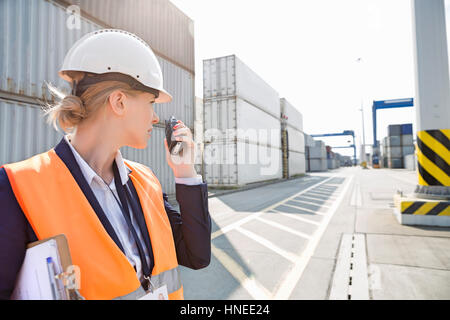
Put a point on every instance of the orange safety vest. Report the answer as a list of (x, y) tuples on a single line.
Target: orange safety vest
[(54, 204)]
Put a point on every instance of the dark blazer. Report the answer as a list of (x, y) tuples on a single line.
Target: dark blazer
[(191, 229)]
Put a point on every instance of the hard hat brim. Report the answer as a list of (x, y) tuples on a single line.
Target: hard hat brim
[(164, 97)]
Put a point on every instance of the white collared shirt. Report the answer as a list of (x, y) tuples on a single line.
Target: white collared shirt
[(111, 207)]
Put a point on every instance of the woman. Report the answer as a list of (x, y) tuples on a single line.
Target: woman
[(123, 234)]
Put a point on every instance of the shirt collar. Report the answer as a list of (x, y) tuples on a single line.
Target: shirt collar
[(90, 174)]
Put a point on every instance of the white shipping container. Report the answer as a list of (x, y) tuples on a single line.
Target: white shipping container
[(394, 141), (24, 132), (394, 152), (297, 163), (407, 140), (319, 151), (168, 30), (241, 163), (228, 77), (257, 125), (296, 140), (318, 165), (332, 163), (408, 150), (231, 118), (410, 161), (294, 117), (309, 141)]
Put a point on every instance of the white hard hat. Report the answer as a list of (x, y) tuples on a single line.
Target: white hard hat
[(113, 52)]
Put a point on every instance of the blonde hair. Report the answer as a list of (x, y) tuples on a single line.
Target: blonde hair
[(70, 110)]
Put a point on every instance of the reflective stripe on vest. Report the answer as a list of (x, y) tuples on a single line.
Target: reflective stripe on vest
[(54, 204)]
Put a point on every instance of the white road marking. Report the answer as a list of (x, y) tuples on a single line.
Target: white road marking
[(268, 244), (238, 223), (290, 281), (356, 198), (284, 228), (297, 194), (312, 198), (323, 193), (311, 203), (305, 209), (253, 287), (327, 197), (297, 217)]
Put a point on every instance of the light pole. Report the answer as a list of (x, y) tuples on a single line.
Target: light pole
[(363, 151), (363, 157)]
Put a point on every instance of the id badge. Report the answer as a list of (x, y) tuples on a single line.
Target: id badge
[(157, 294)]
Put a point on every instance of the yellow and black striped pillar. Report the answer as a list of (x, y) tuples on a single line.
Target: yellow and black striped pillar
[(433, 157), (285, 150)]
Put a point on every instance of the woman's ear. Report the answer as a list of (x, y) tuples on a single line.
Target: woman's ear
[(116, 99)]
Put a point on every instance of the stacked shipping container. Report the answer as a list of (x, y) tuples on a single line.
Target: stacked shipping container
[(292, 127), (241, 123), (36, 35), (317, 157), (309, 143), (398, 144)]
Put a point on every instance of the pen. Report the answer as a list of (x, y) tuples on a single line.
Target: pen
[(51, 274)]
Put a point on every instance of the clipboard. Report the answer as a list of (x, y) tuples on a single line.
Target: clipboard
[(36, 280), (63, 249)]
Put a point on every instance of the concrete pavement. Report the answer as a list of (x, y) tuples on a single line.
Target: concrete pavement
[(324, 236)]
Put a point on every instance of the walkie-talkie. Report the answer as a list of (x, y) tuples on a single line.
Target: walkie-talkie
[(174, 146)]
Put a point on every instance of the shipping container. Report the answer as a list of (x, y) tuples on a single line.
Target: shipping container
[(258, 126), (407, 140), (309, 141), (395, 163), (296, 140), (168, 30), (394, 141), (297, 163), (318, 165), (198, 134), (407, 129), (232, 118), (318, 151), (331, 163), (35, 42), (239, 163), (408, 150), (24, 132), (394, 130), (294, 117), (394, 152), (229, 77), (410, 161)]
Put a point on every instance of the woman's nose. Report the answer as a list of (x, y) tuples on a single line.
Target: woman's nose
[(155, 117)]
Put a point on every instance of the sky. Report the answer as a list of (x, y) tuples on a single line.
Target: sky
[(307, 50)]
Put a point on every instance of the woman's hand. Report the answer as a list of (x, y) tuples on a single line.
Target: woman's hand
[(182, 164)]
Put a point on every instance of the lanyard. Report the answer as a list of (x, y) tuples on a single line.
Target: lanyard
[(126, 214)]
